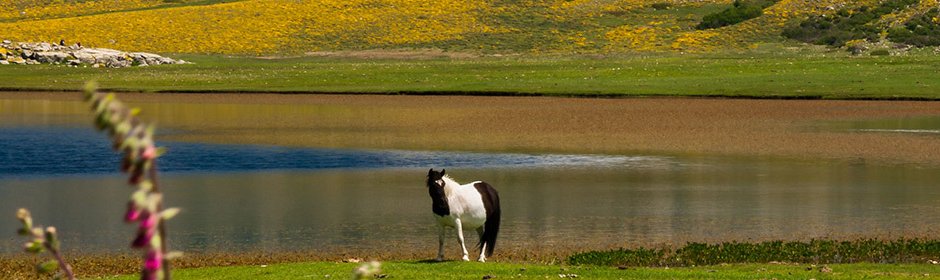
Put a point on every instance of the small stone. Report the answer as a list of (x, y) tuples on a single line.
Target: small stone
[(622, 267), (4, 62), (825, 269), (74, 62), (7, 42), (485, 277)]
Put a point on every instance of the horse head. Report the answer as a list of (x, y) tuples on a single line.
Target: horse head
[(436, 179)]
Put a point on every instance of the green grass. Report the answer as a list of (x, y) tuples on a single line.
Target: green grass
[(734, 75), (815, 251), (473, 270)]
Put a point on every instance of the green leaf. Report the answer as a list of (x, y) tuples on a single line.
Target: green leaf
[(91, 87), (48, 267), (52, 238), (161, 151), (34, 247), (169, 213)]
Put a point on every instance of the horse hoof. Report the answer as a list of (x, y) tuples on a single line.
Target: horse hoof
[(482, 260), (466, 259)]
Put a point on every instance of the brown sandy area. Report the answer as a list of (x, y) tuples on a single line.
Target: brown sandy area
[(681, 126)]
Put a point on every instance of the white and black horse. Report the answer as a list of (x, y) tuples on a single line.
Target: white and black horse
[(474, 205)]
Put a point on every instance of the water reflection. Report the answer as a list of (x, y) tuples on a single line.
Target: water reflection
[(46, 151), (929, 126), (703, 199)]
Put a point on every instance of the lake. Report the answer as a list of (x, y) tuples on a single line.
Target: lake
[(252, 195)]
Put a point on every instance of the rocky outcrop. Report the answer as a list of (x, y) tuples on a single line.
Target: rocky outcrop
[(76, 55)]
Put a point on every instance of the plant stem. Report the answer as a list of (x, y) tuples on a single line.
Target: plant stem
[(162, 227), (64, 266)]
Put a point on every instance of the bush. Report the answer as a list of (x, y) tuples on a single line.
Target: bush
[(738, 12), (919, 31), (845, 25), (661, 6)]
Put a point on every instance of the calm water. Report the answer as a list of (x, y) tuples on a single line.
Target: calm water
[(268, 198), (244, 197)]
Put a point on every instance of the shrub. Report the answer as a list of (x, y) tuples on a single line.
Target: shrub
[(738, 12), (661, 6), (44, 240), (845, 25), (921, 31)]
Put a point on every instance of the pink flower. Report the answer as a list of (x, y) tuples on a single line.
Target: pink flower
[(153, 260), (149, 152), (133, 214), (150, 221), (145, 231), (142, 240)]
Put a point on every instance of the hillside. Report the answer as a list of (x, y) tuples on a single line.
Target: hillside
[(266, 27)]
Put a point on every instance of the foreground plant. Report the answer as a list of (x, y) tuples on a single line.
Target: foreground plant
[(369, 270), (44, 240), (134, 139)]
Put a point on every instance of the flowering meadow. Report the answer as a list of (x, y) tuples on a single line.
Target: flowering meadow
[(294, 27), (44, 9)]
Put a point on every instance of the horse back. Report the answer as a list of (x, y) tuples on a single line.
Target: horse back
[(490, 197)]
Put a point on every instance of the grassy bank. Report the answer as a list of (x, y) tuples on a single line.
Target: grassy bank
[(473, 270), (740, 75), (816, 251), (826, 259)]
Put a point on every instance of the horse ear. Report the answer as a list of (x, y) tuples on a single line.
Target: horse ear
[(430, 171), (443, 171)]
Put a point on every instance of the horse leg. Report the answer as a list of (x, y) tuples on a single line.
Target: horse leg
[(440, 244), (460, 237), (482, 248)]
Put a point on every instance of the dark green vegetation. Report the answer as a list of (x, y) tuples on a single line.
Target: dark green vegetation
[(920, 31), (816, 251), (661, 6), (739, 11), (861, 23), (473, 270), (835, 76)]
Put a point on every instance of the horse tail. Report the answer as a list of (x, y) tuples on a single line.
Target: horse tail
[(493, 213)]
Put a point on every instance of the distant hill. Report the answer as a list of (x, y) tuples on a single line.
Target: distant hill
[(281, 27)]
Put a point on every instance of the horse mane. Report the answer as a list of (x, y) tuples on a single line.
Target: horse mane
[(447, 178)]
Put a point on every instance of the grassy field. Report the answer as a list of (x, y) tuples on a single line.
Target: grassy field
[(472, 270), (502, 26), (756, 75)]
